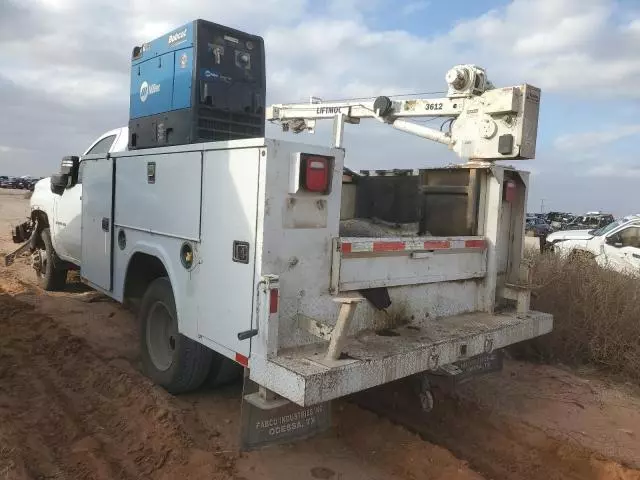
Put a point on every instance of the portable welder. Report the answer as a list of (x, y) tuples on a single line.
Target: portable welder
[(202, 82)]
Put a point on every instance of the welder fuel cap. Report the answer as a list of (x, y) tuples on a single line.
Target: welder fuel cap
[(382, 106)]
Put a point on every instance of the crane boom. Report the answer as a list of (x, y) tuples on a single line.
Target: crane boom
[(486, 123)]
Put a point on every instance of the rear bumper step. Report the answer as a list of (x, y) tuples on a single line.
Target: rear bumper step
[(369, 359)]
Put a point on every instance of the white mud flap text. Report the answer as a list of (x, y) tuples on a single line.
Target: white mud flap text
[(282, 424)]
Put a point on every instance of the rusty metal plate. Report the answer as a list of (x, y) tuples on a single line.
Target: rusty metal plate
[(284, 424)]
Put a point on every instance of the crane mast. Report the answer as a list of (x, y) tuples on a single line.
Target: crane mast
[(487, 123)]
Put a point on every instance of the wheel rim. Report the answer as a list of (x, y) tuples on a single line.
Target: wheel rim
[(162, 336)]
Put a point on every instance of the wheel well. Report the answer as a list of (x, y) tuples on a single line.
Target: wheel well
[(41, 217), (43, 222), (142, 270)]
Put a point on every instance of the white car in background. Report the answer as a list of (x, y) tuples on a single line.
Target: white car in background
[(615, 246)]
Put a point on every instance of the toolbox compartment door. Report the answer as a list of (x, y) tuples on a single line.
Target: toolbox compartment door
[(226, 276)]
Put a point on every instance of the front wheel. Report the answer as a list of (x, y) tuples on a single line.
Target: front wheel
[(171, 360), (51, 273)]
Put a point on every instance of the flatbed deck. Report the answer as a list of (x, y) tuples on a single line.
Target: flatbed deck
[(372, 358)]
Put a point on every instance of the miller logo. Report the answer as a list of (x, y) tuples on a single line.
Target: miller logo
[(146, 90), (178, 37)]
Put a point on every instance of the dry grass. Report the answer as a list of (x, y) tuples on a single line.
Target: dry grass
[(596, 315)]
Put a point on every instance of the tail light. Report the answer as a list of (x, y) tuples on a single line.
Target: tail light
[(273, 300), (510, 191), (315, 173)]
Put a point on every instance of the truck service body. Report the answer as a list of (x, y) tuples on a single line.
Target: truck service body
[(233, 249), (270, 260)]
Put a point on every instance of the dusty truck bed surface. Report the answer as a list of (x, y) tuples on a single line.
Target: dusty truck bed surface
[(73, 404)]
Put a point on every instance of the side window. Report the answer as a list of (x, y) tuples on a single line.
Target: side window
[(102, 146), (630, 237)]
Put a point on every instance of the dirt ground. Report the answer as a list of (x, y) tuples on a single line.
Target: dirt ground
[(73, 404)]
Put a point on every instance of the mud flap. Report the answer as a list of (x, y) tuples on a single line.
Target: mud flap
[(281, 422)]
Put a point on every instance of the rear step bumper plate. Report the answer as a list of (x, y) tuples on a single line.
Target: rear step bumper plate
[(303, 376)]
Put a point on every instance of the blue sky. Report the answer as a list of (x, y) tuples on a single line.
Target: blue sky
[(583, 54)]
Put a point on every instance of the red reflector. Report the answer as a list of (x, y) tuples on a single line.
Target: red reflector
[(316, 173), (273, 300), (242, 360), (474, 244), (388, 246), (510, 191), (436, 244), (346, 248)]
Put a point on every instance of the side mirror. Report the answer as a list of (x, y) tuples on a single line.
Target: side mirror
[(70, 167), (59, 182)]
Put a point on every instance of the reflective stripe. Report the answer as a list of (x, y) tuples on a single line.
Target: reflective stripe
[(242, 360), (411, 245)]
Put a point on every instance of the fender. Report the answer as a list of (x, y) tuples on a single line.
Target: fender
[(160, 252)]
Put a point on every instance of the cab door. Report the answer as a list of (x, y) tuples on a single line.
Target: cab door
[(622, 249), (68, 219)]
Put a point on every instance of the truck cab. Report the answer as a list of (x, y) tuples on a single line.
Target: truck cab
[(615, 246), (62, 211)]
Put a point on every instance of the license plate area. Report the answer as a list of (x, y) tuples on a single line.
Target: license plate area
[(468, 368)]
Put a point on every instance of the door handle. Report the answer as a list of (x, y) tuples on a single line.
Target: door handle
[(105, 224)]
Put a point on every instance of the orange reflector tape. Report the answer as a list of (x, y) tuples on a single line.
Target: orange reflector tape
[(273, 300), (475, 244), (412, 245), (242, 360)]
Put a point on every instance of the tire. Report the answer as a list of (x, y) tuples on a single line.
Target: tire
[(223, 371), (52, 275), (171, 360)]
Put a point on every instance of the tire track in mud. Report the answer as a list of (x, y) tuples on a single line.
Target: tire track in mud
[(496, 446), (67, 413), (70, 410)]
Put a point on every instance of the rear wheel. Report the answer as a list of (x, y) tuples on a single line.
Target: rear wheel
[(50, 270), (170, 359)]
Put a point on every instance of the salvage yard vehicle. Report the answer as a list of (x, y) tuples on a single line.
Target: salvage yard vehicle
[(615, 246), (589, 221), (537, 227), (231, 248)]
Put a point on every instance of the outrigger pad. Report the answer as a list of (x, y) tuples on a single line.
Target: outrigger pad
[(283, 424)]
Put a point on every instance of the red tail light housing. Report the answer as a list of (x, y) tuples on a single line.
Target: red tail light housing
[(273, 300), (315, 173), (510, 191)]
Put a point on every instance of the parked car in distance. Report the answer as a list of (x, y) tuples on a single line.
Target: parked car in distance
[(590, 222), (558, 219), (23, 182), (8, 182), (537, 227)]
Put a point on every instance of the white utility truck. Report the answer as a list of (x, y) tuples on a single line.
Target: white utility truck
[(237, 250), (615, 246)]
